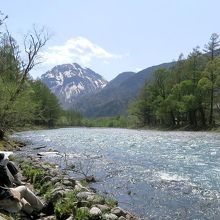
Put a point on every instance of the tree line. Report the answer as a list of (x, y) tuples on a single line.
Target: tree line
[(186, 95)]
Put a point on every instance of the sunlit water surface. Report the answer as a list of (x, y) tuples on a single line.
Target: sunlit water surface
[(157, 175)]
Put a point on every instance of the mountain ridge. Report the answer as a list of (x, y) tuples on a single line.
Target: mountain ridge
[(112, 101), (71, 81), (97, 97)]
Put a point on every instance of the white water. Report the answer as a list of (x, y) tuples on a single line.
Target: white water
[(159, 175)]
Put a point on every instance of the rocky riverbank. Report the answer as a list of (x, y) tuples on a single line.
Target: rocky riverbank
[(66, 197)]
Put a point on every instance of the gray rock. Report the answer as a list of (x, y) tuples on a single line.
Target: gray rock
[(110, 217), (68, 183), (52, 217), (70, 218), (129, 216), (96, 199), (118, 211), (95, 212), (83, 203), (56, 194), (46, 179), (58, 185), (79, 187), (103, 208), (121, 218), (83, 195), (55, 180), (71, 180)]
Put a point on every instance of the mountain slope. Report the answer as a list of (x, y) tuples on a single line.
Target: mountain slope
[(119, 79), (69, 82), (114, 98)]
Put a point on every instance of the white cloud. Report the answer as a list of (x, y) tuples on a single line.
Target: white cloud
[(79, 50)]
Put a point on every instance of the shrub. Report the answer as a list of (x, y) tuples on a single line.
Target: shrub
[(82, 214), (66, 206)]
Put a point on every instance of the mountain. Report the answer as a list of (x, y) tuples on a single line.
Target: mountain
[(120, 78), (69, 82), (113, 99)]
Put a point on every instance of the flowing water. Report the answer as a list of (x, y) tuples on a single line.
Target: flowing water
[(155, 174)]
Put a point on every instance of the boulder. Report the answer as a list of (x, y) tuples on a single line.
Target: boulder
[(90, 179), (110, 217), (121, 218), (70, 218), (95, 213), (68, 183), (129, 217), (83, 195), (83, 203), (103, 208), (46, 179), (118, 211), (80, 188), (56, 194), (96, 199)]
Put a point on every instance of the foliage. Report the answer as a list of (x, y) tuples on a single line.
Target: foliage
[(116, 122), (34, 175), (70, 118), (82, 214), (187, 95), (48, 110), (111, 202), (65, 207), (23, 101)]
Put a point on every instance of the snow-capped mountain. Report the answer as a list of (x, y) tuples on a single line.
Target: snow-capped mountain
[(70, 82)]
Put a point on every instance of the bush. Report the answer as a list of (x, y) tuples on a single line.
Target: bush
[(82, 214), (66, 206)]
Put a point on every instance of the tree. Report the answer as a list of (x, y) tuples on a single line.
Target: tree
[(14, 71), (33, 43), (210, 49), (185, 95), (48, 109)]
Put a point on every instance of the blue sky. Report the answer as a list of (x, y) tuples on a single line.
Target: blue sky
[(113, 36)]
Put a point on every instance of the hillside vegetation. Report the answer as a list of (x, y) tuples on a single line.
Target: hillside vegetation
[(186, 95)]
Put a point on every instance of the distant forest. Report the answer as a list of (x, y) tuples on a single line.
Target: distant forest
[(186, 95)]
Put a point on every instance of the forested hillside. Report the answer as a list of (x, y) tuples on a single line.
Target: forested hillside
[(188, 94)]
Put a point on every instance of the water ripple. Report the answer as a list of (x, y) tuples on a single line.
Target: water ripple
[(161, 175)]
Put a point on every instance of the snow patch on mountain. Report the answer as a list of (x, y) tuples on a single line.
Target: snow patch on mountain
[(71, 81)]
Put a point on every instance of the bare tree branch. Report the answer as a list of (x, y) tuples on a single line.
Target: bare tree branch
[(33, 43)]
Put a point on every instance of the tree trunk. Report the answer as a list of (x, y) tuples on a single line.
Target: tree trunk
[(211, 106), (2, 134), (201, 110), (172, 118)]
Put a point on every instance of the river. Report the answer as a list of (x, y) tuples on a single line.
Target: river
[(154, 174)]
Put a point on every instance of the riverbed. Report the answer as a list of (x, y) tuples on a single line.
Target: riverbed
[(154, 174)]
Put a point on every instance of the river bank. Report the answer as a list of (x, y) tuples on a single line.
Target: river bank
[(164, 175), (66, 197)]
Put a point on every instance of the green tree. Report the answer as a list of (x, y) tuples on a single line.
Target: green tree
[(48, 110), (212, 69)]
